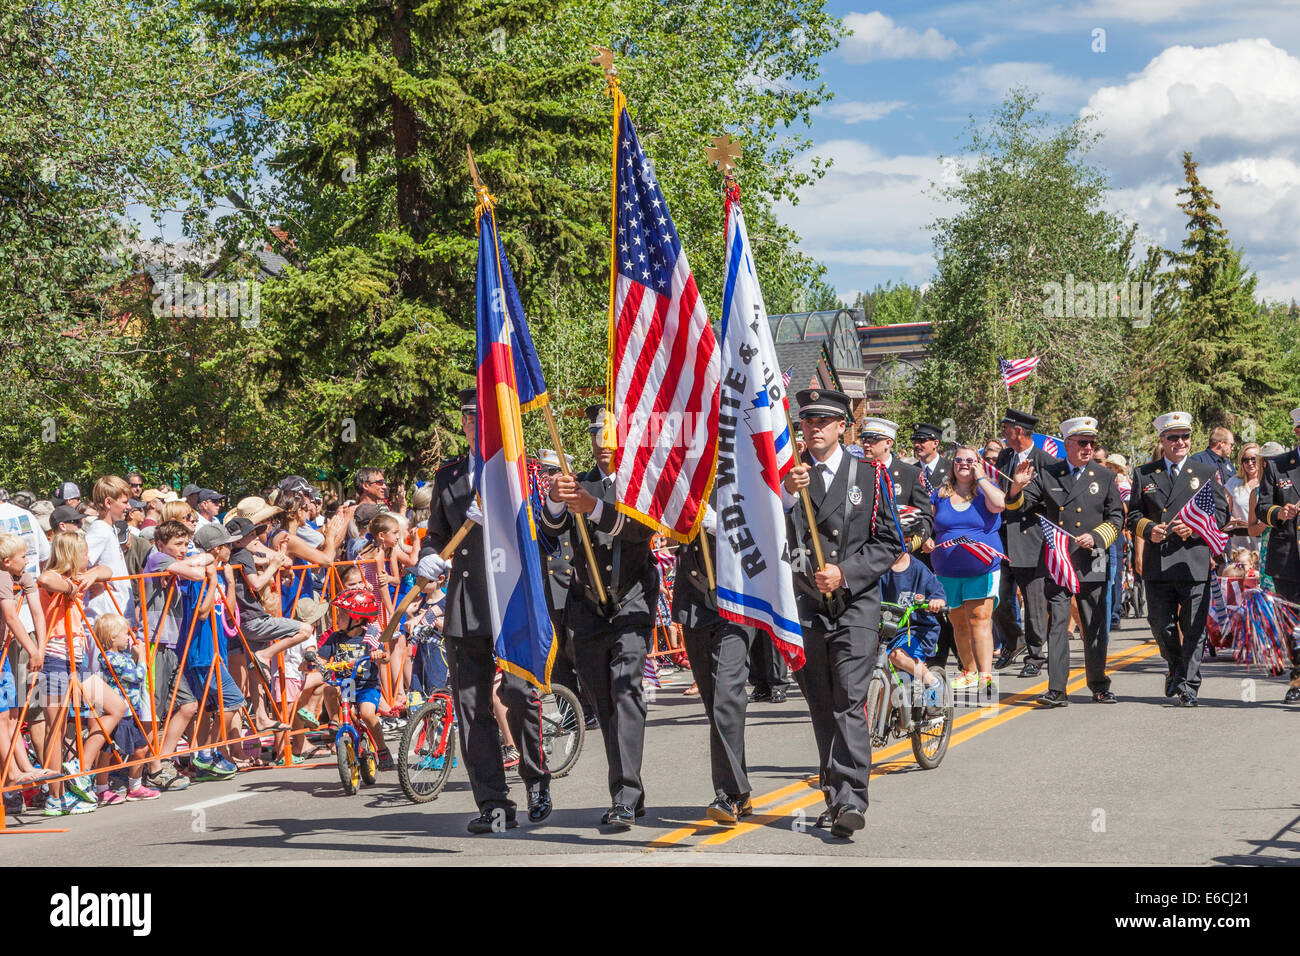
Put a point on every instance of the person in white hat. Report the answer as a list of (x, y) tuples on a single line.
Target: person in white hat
[(1177, 562), (1277, 505), (1080, 496), (915, 511)]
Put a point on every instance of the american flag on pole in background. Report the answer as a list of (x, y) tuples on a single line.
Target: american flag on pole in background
[(785, 377), (1218, 606), (986, 553), (1198, 514), (525, 639), (1059, 565), (1016, 370), (663, 365)]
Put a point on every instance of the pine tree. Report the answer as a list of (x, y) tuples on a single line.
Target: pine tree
[(1209, 351)]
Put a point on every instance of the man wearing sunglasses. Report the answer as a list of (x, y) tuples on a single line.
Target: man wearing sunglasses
[(877, 437), (1277, 504), (1080, 496), (1177, 563)]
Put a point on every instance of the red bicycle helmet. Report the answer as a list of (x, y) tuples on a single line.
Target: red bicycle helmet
[(359, 602)]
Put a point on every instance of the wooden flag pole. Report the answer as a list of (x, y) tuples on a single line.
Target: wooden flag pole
[(579, 520), (708, 561), (420, 583), (808, 508)]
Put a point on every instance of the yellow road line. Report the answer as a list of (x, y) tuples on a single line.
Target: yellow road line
[(1014, 701)]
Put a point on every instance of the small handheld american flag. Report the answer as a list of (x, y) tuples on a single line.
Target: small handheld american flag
[(1198, 514), (1059, 565), (986, 553), (1016, 370)]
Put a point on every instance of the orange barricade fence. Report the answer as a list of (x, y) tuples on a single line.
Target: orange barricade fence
[(91, 704)]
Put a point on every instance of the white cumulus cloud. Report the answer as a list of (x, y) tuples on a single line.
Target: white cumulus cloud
[(877, 37), (859, 111), (989, 84)]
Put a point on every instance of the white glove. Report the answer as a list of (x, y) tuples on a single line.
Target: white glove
[(710, 522), (473, 514), (432, 567)]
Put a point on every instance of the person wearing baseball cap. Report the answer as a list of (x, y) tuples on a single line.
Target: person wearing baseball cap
[(839, 605), (66, 518), (1081, 497), (209, 506), (1177, 561), (1277, 505), (67, 494), (1022, 539)]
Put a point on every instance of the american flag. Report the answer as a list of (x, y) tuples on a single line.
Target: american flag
[(785, 377), (664, 366), (984, 552), (1198, 514), (1059, 565), (1016, 369), (1218, 606)]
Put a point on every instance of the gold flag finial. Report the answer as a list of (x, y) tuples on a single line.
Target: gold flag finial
[(605, 60), (724, 153), (484, 199)]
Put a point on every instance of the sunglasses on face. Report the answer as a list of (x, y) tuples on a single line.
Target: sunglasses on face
[(964, 461), (1176, 439), (1084, 442), (1250, 458)]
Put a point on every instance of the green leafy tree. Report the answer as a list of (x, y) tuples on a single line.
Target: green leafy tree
[(1031, 212)]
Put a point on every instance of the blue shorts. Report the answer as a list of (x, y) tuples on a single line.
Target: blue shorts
[(231, 697), (369, 695), (921, 641), (56, 679), (8, 691), (977, 588)]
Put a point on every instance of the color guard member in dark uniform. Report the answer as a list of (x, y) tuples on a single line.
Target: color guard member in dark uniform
[(470, 656), (1277, 505), (1177, 562), (719, 651), (839, 607), (1082, 498), (610, 641), (557, 566), (877, 437), (1023, 537)]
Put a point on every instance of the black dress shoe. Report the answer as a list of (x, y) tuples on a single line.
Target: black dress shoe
[(619, 816), (493, 821), (1187, 700), (591, 722), (744, 808), (723, 811), (539, 806), (825, 819), (1292, 695), (1171, 688), (847, 821), (777, 696), (759, 696), (1054, 698), (1105, 697), (1030, 669), (1008, 655)]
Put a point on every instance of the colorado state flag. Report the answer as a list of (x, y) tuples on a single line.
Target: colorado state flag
[(509, 375)]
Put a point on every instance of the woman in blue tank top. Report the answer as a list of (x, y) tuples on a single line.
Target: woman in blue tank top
[(968, 507)]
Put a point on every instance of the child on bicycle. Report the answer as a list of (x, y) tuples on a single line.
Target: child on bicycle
[(907, 582), (357, 638)]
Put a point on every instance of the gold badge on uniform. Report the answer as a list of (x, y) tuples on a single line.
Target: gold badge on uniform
[(1195, 482), (1093, 488)]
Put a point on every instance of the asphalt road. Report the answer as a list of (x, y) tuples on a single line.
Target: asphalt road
[(1142, 782)]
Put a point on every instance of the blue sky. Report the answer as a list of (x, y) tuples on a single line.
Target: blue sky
[(1219, 78)]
